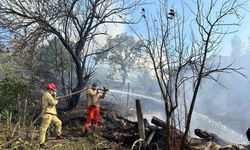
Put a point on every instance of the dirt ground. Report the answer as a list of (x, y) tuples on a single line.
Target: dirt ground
[(114, 133)]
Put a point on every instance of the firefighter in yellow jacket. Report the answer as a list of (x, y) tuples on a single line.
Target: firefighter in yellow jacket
[(49, 114)]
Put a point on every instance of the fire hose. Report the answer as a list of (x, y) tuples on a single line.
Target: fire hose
[(84, 89), (36, 119)]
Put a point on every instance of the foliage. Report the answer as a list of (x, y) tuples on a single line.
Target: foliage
[(147, 83), (15, 88), (24, 144), (81, 21), (70, 142), (98, 141), (55, 65), (13, 98), (6, 116), (12, 90), (123, 54)]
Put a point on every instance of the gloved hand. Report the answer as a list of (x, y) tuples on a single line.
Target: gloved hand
[(54, 94), (105, 89), (103, 94)]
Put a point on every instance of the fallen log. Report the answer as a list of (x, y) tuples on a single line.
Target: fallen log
[(210, 137), (158, 122), (71, 115), (151, 127)]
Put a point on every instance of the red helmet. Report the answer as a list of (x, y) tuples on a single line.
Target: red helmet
[(51, 86)]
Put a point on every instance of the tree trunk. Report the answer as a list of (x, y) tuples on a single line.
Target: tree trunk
[(124, 74), (210, 137), (73, 101), (158, 122), (82, 81), (123, 80), (168, 136)]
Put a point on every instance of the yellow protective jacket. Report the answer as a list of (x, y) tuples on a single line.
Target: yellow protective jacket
[(94, 97), (49, 103)]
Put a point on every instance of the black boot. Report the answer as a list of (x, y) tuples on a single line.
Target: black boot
[(86, 132), (43, 146), (59, 137)]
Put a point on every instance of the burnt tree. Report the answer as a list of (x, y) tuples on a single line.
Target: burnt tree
[(76, 23)]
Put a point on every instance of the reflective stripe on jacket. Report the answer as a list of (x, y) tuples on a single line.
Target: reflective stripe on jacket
[(49, 103)]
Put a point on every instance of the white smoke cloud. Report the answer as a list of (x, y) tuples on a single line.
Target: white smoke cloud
[(112, 30)]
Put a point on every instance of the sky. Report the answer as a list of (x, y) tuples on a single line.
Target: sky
[(236, 93), (243, 31), (151, 10)]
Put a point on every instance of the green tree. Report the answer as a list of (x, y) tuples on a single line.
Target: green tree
[(15, 87), (123, 54), (80, 21), (56, 65)]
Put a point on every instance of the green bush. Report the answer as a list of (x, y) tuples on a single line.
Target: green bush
[(13, 93)]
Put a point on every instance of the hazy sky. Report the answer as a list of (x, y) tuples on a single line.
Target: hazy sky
[(243, 29), (243, 33)]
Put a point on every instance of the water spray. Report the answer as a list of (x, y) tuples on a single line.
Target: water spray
[(134, 94), (104, 89)]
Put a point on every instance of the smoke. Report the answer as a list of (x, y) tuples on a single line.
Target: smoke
[(229, 101), (226, 133), (112, 29)]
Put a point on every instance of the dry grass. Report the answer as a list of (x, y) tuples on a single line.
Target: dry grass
[(79, 142)]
